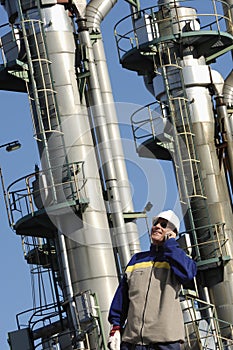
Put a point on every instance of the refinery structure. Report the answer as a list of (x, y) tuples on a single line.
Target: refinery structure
[(77, 204)]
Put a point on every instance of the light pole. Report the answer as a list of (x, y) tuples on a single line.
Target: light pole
[(10, 146)]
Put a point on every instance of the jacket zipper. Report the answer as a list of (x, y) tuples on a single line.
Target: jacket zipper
[(146, 300)]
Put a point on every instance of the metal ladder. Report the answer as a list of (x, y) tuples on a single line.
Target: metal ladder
[(186, 162), (180, 143), (202, 325), (43, 97)]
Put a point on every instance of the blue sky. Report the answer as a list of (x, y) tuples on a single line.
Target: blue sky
[(16, 124)]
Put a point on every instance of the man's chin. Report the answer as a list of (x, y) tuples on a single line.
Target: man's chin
[(157, 241), (158, 236)]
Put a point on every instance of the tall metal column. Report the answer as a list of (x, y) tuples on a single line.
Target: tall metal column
[(96, 11), (87, 239)]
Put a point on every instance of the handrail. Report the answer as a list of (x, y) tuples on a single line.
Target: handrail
[(144, 128), (214, 230), (34, 191), (213, 323), (126, 33), (33, 309)]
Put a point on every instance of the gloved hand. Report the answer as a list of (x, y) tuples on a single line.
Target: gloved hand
[(114, 340)]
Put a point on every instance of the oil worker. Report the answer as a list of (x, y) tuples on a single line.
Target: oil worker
[(145, 312)]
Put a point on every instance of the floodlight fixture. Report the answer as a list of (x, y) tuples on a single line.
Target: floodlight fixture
[(11, 146)]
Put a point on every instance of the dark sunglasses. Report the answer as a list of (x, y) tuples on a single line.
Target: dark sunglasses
[(163, 224)]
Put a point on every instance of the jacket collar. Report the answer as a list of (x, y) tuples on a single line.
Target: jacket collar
[(156, 248)]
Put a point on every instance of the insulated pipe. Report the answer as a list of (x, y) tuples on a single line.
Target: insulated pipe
[(103, 139), (96, 11)]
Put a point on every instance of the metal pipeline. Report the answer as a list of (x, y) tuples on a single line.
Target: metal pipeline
[(67, 280), (96, 11), (103, 140)]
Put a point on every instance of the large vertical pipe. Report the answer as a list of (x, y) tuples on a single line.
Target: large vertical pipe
[(95, 13), (87, 236), (89, 248), (197, 78), (216, 191), (111, 181)]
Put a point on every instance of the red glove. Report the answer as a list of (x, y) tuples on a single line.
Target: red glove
[(114, 340)]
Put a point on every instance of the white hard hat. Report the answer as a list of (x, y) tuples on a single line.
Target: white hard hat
[(170, 216)]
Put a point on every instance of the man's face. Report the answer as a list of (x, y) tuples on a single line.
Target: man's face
[(161, 230)]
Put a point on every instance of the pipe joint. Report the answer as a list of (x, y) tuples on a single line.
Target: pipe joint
[(220, 101), (82, 24)]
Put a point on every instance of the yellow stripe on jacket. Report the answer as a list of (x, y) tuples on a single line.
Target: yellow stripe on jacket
[(146, 264)]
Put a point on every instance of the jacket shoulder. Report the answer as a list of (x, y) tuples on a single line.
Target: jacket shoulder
[(139, 257)]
